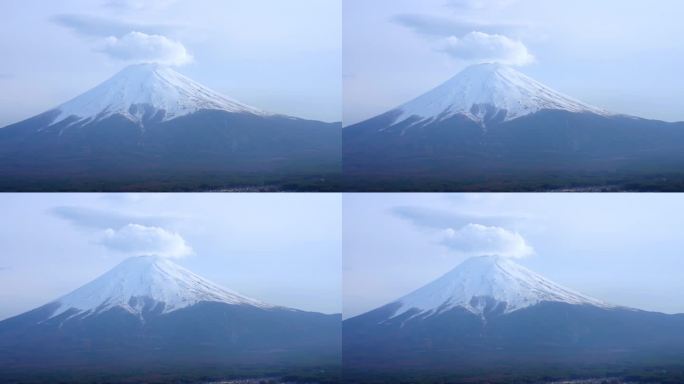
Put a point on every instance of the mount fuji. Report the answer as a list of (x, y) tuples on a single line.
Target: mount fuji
[(485, 286), (492, 128), (487, 93), (151, 314), (490, 314), (151, 128)]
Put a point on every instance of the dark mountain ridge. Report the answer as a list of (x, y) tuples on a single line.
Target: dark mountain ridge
[(482, 148), (461, 327), (149, 317), (150, 128)]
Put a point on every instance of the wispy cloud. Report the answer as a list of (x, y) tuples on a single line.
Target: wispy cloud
[(439, 26), (479, 4), (102, 219), (445, 218), (94, 26), (137, 5)]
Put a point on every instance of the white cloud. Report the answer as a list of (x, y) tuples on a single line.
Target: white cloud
[(141, 47), (478, 240), (135, 239), (483, 47)]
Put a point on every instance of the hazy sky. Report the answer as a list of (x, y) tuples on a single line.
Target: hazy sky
[(624, 56), (280, 56), (626, 249), (283, 249)]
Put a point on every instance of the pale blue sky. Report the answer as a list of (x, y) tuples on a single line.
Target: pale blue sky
[(624, 56), (283, 249), (626, 249), (283, 57)]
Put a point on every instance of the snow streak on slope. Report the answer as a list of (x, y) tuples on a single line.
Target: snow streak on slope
[(139, 281), (488, 90), (478, 279), (142, 86)]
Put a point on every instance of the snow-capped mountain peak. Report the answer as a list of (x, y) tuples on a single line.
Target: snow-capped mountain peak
[(483, 283), (140, 282), (146, 90), (489, 91)]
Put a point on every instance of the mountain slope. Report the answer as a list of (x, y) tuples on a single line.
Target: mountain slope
[(141, 282), (144, 90), (490, 317), (492, 128), (487, 283), (150, 314), (150, 128), (489, 91)]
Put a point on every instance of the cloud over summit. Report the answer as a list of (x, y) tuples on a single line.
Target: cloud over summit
[(141, 47), (125, 233), (128, 41), (479, 240), (471, 40), (136, 239), (469, 234), (482, 47)]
